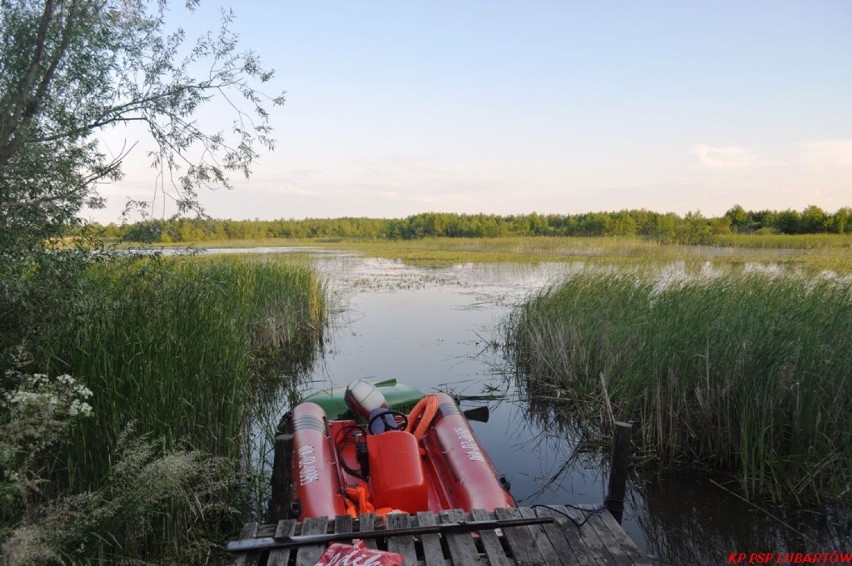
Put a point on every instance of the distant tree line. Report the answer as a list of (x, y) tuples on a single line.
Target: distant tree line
[(692, 228)]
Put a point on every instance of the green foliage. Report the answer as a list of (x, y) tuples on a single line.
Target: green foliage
[(73, 69), (38, 413), (691, 229), (178, 347), (70, 71), (169, 507), (185, 349), (748, 373)]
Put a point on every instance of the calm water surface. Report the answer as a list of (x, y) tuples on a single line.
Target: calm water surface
[(440, 328)]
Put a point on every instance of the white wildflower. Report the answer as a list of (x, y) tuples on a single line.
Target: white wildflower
[(80, 408)]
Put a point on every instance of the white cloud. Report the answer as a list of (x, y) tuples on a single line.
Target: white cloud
[(726, 157)]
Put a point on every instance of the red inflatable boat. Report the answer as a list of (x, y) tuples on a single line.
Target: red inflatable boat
[(381, 460)]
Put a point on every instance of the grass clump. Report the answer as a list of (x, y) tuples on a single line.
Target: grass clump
[(742, 372), (178, 347), (170, 358)]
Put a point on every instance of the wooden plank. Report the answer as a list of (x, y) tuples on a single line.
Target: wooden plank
[(282, 460), (402, 544), (565, 539), (308, 555), (265, 530), (249, 531), (627, 544), (542, 543), (461, 545), (433, 554), (281, 556), (589, 537), (614, 546), (600, 541), (343, 524), (520, 539), (367, 522), (490, 541)]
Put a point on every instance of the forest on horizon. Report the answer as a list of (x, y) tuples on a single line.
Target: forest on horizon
[(691, 228)]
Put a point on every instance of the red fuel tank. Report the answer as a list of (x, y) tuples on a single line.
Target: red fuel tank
[(314, 475), (396, 472), (460, 464)]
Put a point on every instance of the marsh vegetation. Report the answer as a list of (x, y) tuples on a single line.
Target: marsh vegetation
[(176, 355), (747, 372), (730, 358)]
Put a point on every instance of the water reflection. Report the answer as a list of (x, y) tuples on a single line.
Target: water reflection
[(687, 518)]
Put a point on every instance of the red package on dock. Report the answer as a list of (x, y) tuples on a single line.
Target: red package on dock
[(338, 554)]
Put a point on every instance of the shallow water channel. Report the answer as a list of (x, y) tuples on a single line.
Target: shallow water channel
[(440, 328)]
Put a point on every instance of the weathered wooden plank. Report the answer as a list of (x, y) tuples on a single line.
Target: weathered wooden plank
[(520, 539), (402, 544), (542, 543), (343, 524), (281, 463), (433, 554), (600, 541), (628, 544), (614, 546), (249, 531), (367, 522), (265, 530), (461, 545), (490, 541), (565, 539), (281, 556), (308, 555), (589, 537)]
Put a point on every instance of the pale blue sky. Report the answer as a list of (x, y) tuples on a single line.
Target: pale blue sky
[(395, 108)]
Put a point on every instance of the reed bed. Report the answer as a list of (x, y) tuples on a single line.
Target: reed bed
[(784, 241), (176, 347), (746, 372), (180, 354)]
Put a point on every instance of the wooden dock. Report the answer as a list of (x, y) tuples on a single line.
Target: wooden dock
[(601, 540)]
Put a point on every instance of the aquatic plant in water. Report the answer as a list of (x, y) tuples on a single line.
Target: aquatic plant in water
[(748, 372)]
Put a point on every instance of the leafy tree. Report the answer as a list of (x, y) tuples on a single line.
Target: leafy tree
[(789, 222), (841, 221), (739, 219), (813, 220), (71, 69)]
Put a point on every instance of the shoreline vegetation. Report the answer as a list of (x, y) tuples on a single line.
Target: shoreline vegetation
[(128, 414), (808, 252), (812, 239), (758, 317), (138, 375), (746, 373), (664, 228)]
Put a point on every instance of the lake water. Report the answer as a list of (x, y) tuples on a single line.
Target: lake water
[(441, 328)]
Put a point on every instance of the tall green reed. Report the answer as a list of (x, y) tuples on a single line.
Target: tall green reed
[(177, 346), (748, 373), (179, 353)]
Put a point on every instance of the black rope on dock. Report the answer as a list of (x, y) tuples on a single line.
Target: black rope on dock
[(588, 513)]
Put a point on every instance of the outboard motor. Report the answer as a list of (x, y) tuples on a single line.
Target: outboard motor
[(366, 401)]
